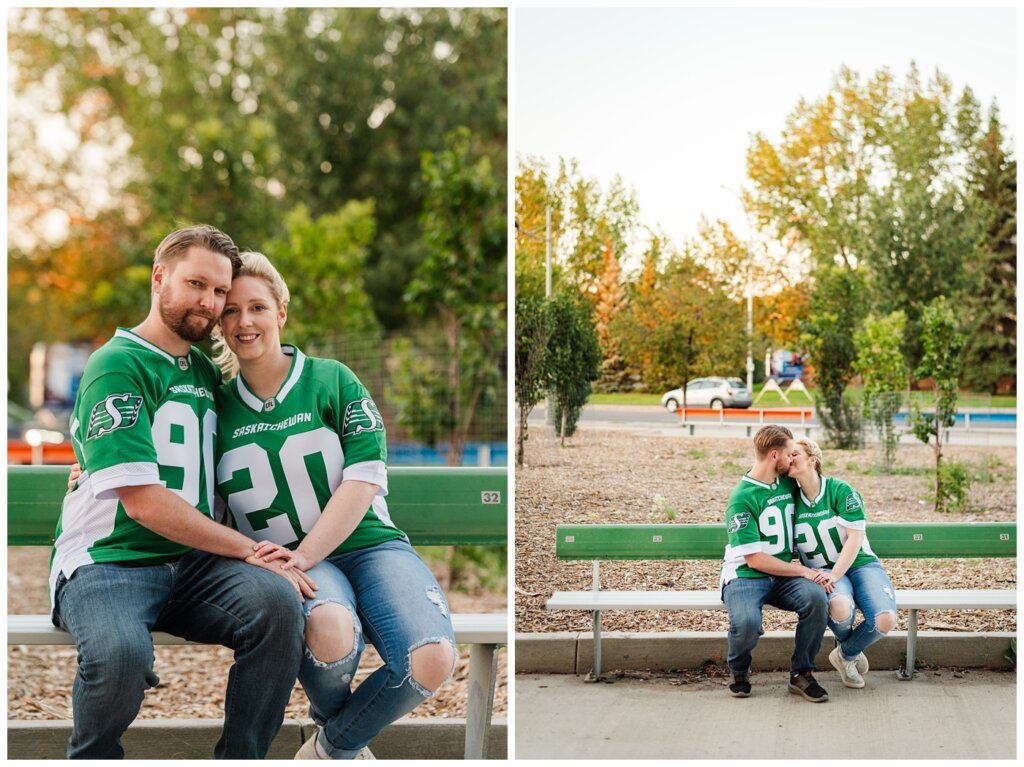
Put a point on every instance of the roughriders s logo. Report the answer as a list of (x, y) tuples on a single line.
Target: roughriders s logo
[(361, 416), (739, 521), (853, 501), (118, 411)]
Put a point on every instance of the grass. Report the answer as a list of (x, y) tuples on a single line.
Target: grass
[(799, 399)]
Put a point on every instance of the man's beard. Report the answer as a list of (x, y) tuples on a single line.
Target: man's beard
[(782, 471), (179, 321)]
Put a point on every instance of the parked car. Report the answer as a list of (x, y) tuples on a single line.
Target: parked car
[(712, 392)]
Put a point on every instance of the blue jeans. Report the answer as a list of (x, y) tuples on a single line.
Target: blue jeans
[(869, 588), (110, 610), (746, 597), (396, 603)]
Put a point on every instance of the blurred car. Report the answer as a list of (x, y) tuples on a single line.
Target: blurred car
[(710, 392)]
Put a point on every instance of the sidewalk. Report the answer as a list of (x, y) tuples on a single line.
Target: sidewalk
[(936, 716)]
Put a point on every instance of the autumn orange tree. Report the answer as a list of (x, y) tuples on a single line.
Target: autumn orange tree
[(685, 328)]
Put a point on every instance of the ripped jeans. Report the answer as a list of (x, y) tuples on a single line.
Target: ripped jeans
[(396, 604), (869, 588)]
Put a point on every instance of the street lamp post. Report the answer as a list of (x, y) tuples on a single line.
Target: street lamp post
[(546, 239), (749, 291)]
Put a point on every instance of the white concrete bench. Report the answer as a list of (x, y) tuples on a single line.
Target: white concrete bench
[(483, 632), (706, 541)]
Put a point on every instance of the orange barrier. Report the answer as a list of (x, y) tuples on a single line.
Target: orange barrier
[(747, 414), (21, 453)]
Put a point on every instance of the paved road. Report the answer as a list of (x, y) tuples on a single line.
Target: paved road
[(933, 717), (652, 419)]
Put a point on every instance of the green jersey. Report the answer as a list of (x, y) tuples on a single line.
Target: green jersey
[(142, 417), (280, 460), (821, 524), (759, 518)]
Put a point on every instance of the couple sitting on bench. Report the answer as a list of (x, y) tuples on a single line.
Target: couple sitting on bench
[(311, 563), (797, 542)]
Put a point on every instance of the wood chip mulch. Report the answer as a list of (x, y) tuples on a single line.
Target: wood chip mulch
[(605, 476), (192, 679)]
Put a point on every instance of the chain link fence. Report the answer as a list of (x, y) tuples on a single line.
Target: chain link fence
[(415, 411)]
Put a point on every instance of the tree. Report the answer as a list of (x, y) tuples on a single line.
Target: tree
[(323, 261), (532, 331), (873, 177), (235, 116), (881, 365), (461, 282), (838, 304), (573, 359), (989, 303), (687, 327), (610, 302), (943, 346)]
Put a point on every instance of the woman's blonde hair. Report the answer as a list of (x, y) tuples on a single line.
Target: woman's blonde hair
[(253, 265), (813, 451)]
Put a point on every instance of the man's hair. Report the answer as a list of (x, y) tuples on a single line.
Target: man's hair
[(771, 437), (176, 244)]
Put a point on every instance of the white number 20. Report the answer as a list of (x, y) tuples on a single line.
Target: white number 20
[(264, 490)]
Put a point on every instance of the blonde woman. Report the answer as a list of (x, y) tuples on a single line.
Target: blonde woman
[(301, 465), (830, 533)]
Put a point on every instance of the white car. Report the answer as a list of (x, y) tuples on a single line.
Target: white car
[(711, 392)]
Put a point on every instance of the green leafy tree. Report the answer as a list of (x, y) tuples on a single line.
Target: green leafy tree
[(943, 346), (233, 117), (572, 360), (461, 282), (837, 306), (884, 371), (989, 303), (532, 331), (323, 261)]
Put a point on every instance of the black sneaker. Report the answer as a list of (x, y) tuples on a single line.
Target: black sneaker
[(805, 684), (740, 687)]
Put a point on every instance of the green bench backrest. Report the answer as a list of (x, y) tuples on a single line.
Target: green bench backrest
[(889, 540), (435, 506)]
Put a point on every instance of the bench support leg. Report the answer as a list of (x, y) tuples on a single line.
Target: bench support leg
[(906, 674), (483, 669), (595, 675)]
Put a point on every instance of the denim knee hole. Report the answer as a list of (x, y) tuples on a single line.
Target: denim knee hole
[(347, 657), (885, 621), (422, 689), (840, 609)]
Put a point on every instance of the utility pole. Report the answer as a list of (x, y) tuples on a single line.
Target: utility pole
[(749, 290)]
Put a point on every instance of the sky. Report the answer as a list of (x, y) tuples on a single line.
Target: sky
[(669, 98)]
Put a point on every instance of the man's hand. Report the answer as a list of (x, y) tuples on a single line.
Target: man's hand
[(305, 586)]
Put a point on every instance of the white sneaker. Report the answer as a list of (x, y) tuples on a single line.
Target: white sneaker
[(309, 750), (365, 753), (847, 669), (862, 664)]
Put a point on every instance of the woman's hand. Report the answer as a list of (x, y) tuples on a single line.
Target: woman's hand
[(76, 472), (269, 551), (820, 577), (305, 586)]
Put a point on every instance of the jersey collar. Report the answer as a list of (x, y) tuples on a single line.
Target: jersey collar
[(267, 406), (759, 483), (179, 362), (821, 494)]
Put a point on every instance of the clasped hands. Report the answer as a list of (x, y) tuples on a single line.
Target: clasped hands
[(822, 578)]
